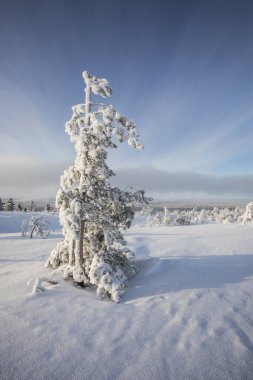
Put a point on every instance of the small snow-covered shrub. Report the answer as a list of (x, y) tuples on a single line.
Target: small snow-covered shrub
[(238, 214), (158, 219), (183, 221), (37, 225), (37, 284), (247, 217), (10, 205)]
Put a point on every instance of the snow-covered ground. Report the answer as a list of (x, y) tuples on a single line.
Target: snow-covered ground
[(188, 314)]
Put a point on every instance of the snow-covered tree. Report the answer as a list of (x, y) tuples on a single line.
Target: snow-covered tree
[(92, 212), (19, 207), (9, 205), (31, 206), (37, 225), (247, 217), (158, 218), (48, 207), (1, 205), (166, 216)]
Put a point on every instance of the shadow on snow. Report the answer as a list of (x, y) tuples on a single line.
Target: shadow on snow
[(164, 275)]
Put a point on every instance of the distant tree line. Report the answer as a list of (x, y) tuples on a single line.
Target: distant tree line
[(10, 205)]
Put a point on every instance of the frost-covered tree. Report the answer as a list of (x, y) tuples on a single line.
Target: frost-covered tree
[(31, 206), (37, 225), (1, 205), (48, 207), (247, 217), (158, 218), (166, 216), (19, 207), (94, 213), (9, 205)]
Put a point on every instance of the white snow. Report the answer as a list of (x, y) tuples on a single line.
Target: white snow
[(188, 314)]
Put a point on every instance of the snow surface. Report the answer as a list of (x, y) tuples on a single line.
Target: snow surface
[(188, 314)]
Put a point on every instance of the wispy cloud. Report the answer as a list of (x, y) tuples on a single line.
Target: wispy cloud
[(192, 140), (165, 184), (23, 127), (25, 177)]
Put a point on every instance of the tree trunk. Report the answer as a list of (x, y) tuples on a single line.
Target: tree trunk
[(72, 253), (80, 246), (87, 123)]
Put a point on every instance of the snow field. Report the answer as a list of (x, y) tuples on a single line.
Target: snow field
[(186, 315)]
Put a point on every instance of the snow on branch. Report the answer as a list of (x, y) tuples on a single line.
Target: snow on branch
[(37, 284), (105, 123), (93, 213), (98, 86)]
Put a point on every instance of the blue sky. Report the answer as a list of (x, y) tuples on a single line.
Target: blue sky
[(181, 69)]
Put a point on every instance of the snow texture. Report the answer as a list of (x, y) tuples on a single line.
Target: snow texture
[(188, 313)]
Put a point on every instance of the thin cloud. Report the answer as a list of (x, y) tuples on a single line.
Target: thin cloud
[(25, 177), (156, 181), (23, 127), (211, 145)]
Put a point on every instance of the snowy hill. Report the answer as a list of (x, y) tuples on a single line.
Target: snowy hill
[(186, 315)]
